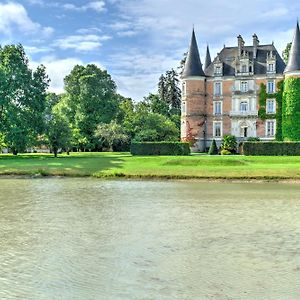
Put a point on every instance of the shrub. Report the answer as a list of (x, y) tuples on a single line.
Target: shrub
[(253, 139), (213, 149), (225, 152), (160, 148), (271, 148), (229, 143)]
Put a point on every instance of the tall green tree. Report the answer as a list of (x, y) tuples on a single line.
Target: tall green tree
[(169, 91), (91, 98), (22, 98)]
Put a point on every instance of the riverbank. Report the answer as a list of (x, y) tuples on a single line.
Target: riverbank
[(123, 165)]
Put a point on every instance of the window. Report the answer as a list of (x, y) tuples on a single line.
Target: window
[(217, 91), (244, 106), (217, 107), (271, 67), (217, 128), (184, 89), (271, 87), (271, 106), (270, 128), (244, 68), (183, 107), (244, 86), (218, 70)]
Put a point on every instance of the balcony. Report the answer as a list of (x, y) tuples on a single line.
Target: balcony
[(248, 113), (239, 92), (243, 74)]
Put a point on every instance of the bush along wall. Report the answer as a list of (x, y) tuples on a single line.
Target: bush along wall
[(160, 148), (271, 148), (291, 110), (263, 96)]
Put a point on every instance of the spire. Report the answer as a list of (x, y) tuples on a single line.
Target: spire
[(207, 58), (294, 57), (193, 66)]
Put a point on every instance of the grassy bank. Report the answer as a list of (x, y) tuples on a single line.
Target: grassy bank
[(124, 165)]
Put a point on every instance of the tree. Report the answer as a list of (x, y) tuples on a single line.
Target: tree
[(169, 91), (286, 52), (58, 132), (91, 98), (229, 143), (156, 105), (111, 133), (22, 98), (213, 149), (154, 127)]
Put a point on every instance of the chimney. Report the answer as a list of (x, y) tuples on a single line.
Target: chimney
[(255, 45), (241, 44)]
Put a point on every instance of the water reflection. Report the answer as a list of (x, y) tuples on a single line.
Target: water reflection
[(92, 239)]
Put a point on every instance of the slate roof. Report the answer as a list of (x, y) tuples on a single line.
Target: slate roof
[(229, 56), (193, 66), (294, 57), (207, 58)]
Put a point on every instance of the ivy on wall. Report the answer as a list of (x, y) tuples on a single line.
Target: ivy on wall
[(291, 110), (263, 96)]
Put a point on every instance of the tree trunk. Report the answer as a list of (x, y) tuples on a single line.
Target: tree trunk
[(55, 152), (15, 152)]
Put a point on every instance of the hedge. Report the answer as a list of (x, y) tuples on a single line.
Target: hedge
[(271, 148), (160, 148)]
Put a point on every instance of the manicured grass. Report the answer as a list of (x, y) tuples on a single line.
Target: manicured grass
[(124, 165)]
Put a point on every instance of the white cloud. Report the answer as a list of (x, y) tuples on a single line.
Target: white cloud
[(14, 16), (34, 50), (84, 43), (57, 69), (97, 6)]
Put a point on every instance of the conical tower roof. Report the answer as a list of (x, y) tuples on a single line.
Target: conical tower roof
[(207, 58), (193, 66), (294, 57)]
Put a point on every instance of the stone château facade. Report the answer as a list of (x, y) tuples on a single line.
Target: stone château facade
[(222, 97)]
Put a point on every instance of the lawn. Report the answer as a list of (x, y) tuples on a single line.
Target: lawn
[(125, 165)]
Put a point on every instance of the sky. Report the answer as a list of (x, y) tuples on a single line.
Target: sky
[(137, 40)]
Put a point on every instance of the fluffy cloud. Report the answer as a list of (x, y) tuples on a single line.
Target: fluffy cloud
[(98, 6), (14, 16), (81, 43), (57, 69)]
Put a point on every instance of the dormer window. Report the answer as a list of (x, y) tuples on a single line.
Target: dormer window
[(244, 68), (218, 70), (271, 67)]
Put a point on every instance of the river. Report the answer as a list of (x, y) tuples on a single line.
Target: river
[(144, 240)]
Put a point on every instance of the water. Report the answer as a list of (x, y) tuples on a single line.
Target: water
[(115, 240)]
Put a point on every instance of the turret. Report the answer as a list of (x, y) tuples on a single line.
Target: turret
[(207, 59), (193, 112), (290, 100), (293, 66), (193, 65)]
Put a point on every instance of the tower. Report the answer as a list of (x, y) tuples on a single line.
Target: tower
[(193, 113), (291, 93)]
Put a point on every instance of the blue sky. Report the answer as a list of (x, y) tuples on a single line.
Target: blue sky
[(136, 40)]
